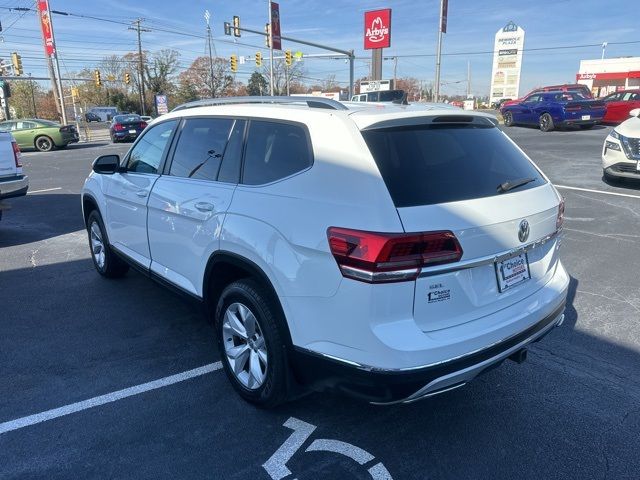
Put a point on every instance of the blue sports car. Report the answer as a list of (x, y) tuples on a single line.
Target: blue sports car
[(554, 109)]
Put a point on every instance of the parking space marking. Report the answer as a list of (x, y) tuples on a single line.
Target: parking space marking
[(107, 398), (597, 191), (44, 190)]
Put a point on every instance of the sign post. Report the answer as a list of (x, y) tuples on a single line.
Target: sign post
[(442, 28), (275, 38), (377, 35), (50, 49), (161, 104)]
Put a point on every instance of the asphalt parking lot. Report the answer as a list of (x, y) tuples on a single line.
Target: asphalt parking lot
[(120, 379)]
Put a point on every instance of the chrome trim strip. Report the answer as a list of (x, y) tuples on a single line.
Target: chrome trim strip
[(367, 276), (556, 322), (488, 260)]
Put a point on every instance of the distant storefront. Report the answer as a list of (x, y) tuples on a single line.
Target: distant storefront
[(610, 75)]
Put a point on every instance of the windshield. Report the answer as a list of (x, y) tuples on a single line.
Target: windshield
[(429, 164)]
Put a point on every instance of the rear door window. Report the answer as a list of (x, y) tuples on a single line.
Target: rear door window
[(200, 147), (430, 164), (274, 151)]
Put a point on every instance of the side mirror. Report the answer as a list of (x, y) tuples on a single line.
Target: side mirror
[(106, 164), (635, 112)]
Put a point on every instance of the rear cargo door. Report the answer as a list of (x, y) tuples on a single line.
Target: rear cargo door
[(7, 159), (470, 179)]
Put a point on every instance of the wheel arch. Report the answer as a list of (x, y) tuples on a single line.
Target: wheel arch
[(88, 205), (224, 268), (43, 134)]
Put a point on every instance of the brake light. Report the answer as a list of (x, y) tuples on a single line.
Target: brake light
[(118, 127), (143, 124), (560, 217), (390, 257), (17, 156), (573, 108)]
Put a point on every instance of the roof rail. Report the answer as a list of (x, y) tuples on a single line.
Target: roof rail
[(311, 102)]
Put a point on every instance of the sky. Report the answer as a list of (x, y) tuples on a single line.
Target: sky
[(472, 25)]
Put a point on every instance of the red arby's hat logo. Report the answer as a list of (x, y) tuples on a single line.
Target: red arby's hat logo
[(377, 29)]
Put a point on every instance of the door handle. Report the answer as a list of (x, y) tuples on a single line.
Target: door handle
[(141, 193), (204, 206)]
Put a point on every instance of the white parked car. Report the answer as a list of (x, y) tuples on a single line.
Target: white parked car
[(13, 183), (391, 253), (621, 149)]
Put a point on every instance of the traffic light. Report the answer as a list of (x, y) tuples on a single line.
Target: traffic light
[(234, 63), (258, 59), (267, 39), (97, 78), (227, 28), (75, 92), (236, 26), (127, 78), (288, 59), (16, 61)]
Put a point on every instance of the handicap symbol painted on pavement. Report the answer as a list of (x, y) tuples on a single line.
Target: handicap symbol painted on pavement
[(276, 466)]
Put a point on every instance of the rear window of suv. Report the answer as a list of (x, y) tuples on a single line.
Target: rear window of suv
[(430, 164)]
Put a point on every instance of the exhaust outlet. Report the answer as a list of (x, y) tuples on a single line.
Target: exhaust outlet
[(519, 357)]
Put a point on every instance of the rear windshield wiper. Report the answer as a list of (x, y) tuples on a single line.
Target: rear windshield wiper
[(511, 184)]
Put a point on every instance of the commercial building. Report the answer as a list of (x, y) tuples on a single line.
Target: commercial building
[(609, 75)]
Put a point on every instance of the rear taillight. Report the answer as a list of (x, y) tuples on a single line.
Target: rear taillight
[(573, 108), (64, 129), (143, 125), (118, 127), (390, 257), (560, 217), (17, 156)]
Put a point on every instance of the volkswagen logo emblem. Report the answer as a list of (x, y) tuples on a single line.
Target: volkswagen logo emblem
[(523, 231)]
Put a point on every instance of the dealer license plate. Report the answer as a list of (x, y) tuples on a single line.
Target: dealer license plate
[(512, 271), (132, 131), (586, 117)]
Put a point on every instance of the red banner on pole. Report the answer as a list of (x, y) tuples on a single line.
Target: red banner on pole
[(445, 11), (377, 29), (45, 23), (275, 26)]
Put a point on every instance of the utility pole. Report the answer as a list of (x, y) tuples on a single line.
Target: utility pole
[(270, 50), (207, 17), (140, 62), (395, 70), (442, 28), (33, 98), (468, 79)]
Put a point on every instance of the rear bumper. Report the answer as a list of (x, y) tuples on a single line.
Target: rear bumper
[(384, 386), (14, 186), (125, 135)]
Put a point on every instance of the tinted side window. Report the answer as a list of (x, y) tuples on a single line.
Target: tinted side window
[(148, 152), (200, 147), (274, 151), (429, 164), (230, 169)]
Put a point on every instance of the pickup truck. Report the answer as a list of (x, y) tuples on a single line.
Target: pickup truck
[(12, 181)]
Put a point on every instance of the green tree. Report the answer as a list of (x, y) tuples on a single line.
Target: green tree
[(257, 85), (24, 93)]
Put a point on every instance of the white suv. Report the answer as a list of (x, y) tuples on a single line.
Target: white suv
[(621, 149), (390, 252)]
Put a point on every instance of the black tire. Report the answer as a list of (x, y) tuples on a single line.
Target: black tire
[(586, 127), (274, 389), (508, 119), (546, 122), (44, 143), (113, 266)]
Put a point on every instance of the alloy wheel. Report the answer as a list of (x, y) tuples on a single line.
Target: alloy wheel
[(245, 346), (43, 144), (97, 244)]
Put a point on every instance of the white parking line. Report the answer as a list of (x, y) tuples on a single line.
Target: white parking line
[(597, 191), (44, 190), (108, 398)]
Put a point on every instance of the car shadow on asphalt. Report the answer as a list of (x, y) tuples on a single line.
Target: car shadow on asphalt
[(39, 217), (626, 183)]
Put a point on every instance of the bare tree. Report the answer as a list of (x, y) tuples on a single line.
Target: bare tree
[(283, 75), (160, 69)]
